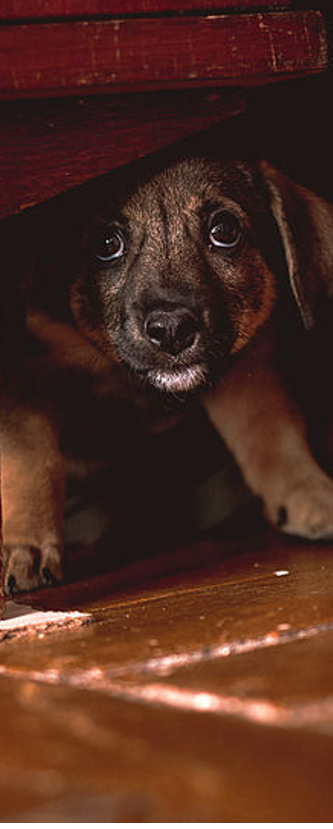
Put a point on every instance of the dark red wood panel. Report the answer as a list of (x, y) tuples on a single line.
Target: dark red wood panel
[(47, 147), (46, 59), (25, 9)]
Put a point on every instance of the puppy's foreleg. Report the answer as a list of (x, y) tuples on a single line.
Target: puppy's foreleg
[(32, 490), (266, 432)]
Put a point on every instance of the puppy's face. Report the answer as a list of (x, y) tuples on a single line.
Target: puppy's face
[(176, 278)]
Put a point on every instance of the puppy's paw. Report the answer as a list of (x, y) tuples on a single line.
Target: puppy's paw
[(307, 510), (27, 567)]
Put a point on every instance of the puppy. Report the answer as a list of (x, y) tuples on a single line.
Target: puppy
[(190, 281)]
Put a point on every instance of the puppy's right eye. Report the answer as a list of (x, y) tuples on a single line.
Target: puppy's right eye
[(107, 245), (225, 230)]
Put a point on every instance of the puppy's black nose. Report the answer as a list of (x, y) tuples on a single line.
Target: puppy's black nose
[(172, 331)]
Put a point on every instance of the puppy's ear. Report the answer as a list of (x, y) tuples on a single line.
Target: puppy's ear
[(305, 223)]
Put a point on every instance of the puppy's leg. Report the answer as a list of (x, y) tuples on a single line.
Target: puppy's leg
[(266, 432), (32, 489)]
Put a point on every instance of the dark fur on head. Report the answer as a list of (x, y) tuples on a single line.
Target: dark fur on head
[(170, 279)]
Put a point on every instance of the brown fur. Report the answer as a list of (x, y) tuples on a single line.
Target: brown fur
[(102, 320)]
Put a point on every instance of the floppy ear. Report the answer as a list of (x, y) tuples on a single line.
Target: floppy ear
[(305, 223)]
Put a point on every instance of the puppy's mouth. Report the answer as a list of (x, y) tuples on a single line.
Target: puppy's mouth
[(177, 380), (184, 359)]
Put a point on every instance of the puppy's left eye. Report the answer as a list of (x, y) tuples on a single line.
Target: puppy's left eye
[(108, 244), (225, 230)]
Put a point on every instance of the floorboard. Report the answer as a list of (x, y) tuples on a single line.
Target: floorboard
[(190, 693)]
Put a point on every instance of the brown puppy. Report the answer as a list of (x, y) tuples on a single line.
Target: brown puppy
[(182, 284)]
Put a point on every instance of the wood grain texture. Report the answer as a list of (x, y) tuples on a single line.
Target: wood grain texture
[(69, 755), (241, 597), (201, 696), (146, 53), (48, 147), (32, 9)]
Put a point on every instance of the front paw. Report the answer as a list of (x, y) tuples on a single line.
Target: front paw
[(306, 511), (27, 567)]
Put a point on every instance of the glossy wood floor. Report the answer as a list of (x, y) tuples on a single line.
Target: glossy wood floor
[(192, 687)]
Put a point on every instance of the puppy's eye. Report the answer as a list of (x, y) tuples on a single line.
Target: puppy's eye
[(108, 245), (225, 230)]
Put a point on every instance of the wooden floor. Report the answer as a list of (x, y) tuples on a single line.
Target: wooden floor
[(192, 687)]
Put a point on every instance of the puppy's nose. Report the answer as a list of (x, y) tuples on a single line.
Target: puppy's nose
[(172, 331)]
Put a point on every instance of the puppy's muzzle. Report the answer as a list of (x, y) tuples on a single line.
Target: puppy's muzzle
[(172, 331)]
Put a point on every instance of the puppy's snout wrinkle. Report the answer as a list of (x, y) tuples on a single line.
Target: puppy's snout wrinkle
[(172, 331)]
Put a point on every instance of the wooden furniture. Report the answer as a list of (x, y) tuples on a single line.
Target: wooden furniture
[(113, 80)]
